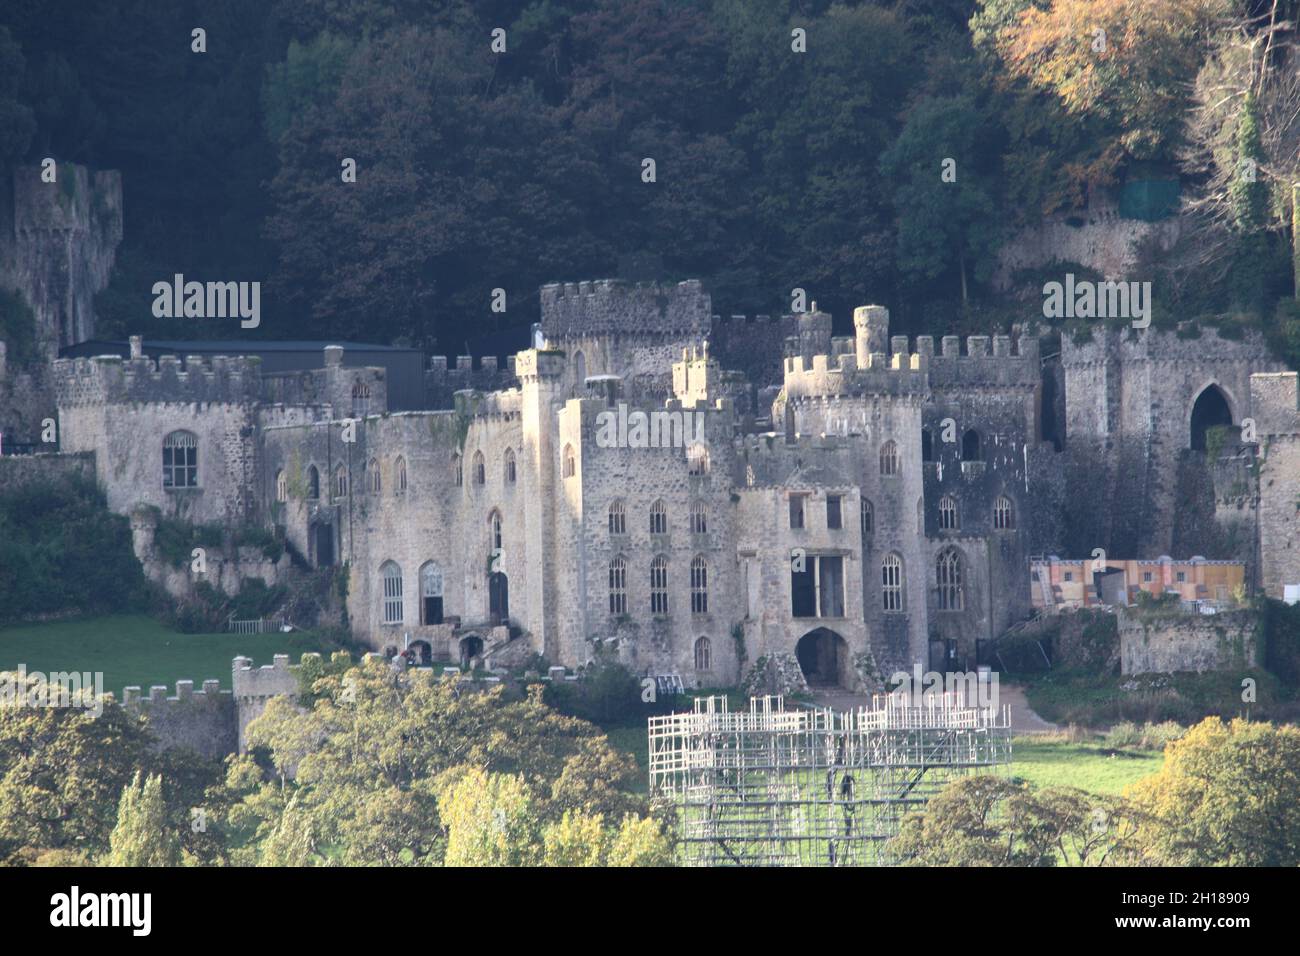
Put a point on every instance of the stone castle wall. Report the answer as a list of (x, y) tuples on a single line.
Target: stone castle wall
[(1184, 642)]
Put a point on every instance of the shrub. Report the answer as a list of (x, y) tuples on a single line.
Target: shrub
[(64, 552)]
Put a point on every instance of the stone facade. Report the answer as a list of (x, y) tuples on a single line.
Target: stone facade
[(874, 507)]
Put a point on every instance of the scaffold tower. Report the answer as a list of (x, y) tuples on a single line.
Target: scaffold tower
[(813, 786)]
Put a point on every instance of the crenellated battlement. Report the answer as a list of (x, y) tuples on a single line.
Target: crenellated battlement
[(614, 307), (109, 379), (1189, 344), (840, 375), (997, 361), (204, 720), (209, 692), (447, 375)]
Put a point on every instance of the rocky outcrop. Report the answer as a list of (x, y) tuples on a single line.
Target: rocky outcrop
[(58, 242)]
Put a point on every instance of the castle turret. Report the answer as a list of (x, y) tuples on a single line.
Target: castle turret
[(814, 334), (871, 327)]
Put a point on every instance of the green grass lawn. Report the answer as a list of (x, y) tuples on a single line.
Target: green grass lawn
[(133, 650), (1042, 760), (1051, 762)]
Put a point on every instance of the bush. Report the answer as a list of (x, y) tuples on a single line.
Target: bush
[(64, 552), (1126, 735), (607, 694)]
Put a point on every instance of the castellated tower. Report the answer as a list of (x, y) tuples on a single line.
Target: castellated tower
[(179, 437), (610, 327), (542, 380), (851, 427), (871, 328), (1275, 399)]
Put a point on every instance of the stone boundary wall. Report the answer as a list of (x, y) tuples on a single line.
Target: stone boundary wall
[(1166, 644), (203, 721), (17, 471)]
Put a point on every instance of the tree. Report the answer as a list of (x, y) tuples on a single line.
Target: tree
[(944, 169), (490, 818), (1127, 61), (366, 773), (1226, 795), (63, 771), (143, 835), (986, 820), (582, 839)]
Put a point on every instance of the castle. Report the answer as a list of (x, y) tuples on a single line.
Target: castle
[(843, 507)]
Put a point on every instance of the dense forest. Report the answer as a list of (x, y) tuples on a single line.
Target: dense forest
[(864, 151)]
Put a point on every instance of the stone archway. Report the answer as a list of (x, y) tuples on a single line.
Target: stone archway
[(823, 657), (471, 647), (1211, 409)]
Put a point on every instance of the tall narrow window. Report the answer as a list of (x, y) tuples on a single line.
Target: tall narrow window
[(1004, 514), (889, 463), (430, 594), (699, 585), (341, 482), (699, 518), (570, 462), (400, 479), (659, 585), (313, 483), (618, 587), (180, 455), (797, 511), (372, 473), (509, 466), (948, 575), (892, 582), (970, 446), (617, 518), (458, 470), (834, 515), (494, 530), (703, 655), (360, 398), (281, 486), (867, 514), (479, 469), (658, 518), (949, 519), (391, 577), (927, 445)]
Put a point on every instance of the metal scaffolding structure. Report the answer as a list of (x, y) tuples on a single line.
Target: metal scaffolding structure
[(813, 787)]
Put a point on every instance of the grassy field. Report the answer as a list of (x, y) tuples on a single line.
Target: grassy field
[(137, 650), (1050, 761)]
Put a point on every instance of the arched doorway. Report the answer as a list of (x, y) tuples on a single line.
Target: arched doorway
[(470, 648), (498, 598), (421, 653), (324, 545), (822, 656), (1210, 410)]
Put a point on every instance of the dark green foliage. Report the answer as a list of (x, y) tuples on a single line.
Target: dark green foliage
[(17, 328), (175, 540), (1280, 633), (63, 552), (608, 694)]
